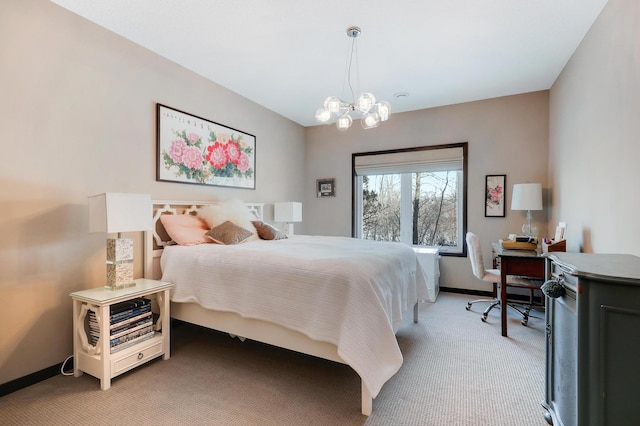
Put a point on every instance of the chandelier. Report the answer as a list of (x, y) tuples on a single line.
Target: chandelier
[(365, 107)]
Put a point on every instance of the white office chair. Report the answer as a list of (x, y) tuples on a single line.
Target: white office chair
[(493, 276)]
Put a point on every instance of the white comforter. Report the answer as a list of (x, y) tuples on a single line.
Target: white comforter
[(349, 292)]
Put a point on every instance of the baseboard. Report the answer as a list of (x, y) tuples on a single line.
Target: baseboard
[(480, 293), (47, 373), (31, 379)]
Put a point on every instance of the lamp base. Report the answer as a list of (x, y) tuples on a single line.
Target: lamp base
[(120, 287), (119, 263), (289, 228), (529, 230), (119, 275)]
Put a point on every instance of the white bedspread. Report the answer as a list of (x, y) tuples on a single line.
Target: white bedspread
[(349, 292)]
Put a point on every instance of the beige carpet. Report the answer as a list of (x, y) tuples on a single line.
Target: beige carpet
[(457, 371)]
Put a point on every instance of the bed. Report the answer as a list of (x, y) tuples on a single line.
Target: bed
[(337, 298)]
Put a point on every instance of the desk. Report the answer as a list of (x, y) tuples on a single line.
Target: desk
[(526, 263)]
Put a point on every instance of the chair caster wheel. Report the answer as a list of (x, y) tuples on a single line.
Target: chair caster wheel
[(468, 307), (483, 318), (525, 323)]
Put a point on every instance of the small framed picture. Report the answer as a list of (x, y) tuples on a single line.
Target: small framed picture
[(326, 187), (494, 197)]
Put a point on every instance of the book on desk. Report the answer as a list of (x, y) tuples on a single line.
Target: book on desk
[(547, 246), (519, 242)]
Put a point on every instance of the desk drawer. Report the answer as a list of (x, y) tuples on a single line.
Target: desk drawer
[(136, 355)]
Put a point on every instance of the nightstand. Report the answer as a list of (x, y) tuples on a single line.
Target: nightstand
[(98, 358)]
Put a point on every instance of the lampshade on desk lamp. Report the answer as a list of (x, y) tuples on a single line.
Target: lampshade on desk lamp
[(527, 196), (117, 213), (288, 212)]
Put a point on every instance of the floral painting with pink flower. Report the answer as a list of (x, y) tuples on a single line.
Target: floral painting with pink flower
[(194, 150), (494, 198)]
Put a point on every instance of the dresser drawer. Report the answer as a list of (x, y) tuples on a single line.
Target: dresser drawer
[(136, 355)]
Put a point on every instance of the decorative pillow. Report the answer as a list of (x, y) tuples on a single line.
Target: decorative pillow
[(233, 211), (185, 229), (268, 232), (228, 233)]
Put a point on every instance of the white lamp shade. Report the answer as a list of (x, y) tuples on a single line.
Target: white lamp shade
[(289, 211), (526, 196), (120, 212)]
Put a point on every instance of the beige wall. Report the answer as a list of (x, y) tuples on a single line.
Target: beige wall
[(77, 114), (506, 135), (595, 136)]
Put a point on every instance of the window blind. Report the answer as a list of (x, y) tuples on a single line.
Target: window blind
[(419, 161)]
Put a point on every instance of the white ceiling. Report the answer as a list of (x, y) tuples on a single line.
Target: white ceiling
[(289, 55)]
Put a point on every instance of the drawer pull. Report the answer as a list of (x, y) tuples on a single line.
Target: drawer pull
[(553, 288), (140, 355)]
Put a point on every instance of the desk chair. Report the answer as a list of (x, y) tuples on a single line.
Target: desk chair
[(493, 276)]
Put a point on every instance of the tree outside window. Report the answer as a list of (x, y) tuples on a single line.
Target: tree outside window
[(415, 197)]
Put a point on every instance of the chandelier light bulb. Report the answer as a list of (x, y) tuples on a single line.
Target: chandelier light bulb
[(323, 116), (365, 102), (384, 110), (370, 121), (332, 104), (344, 122)]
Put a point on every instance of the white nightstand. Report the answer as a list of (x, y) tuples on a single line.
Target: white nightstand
[(98, 360)]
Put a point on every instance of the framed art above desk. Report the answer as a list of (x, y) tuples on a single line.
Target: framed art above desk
[(494, 197)]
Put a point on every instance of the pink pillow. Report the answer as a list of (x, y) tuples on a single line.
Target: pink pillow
[(185, 229)]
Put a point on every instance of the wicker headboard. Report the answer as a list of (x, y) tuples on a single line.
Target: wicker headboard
[(156, 239)]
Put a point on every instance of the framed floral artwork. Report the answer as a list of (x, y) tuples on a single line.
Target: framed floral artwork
[(195, 150), (494, 197)]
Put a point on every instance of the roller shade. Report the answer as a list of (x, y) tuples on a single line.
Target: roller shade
[(426, 160)]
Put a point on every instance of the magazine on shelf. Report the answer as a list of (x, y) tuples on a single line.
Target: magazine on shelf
[(114, 320), (132, 342), (133, 322), (131, 336), (126, 319), (129, 330), (129, 313), (93, 321), (128, 305), (126, 329)]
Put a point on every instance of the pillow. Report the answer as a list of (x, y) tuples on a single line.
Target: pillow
[(233, 211), (228, 233), (268, 232), (185, 229)]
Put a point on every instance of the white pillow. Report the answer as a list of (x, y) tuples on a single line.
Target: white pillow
[(233, 211)]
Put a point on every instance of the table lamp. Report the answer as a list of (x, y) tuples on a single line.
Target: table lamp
[(288, 212), (117, 213), (527, 196)]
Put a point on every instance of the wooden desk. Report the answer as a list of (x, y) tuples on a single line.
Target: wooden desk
[(526, 263)]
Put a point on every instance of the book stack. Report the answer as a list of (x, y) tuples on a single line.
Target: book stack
[(130, 322)]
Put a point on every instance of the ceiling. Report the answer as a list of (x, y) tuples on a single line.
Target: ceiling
[(289, 55)]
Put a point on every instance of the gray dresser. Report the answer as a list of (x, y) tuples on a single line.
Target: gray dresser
[(593, 339)]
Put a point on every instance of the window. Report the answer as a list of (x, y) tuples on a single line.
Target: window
[(416, 196)]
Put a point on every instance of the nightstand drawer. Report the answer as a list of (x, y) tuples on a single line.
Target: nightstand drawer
[(136, 355)]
